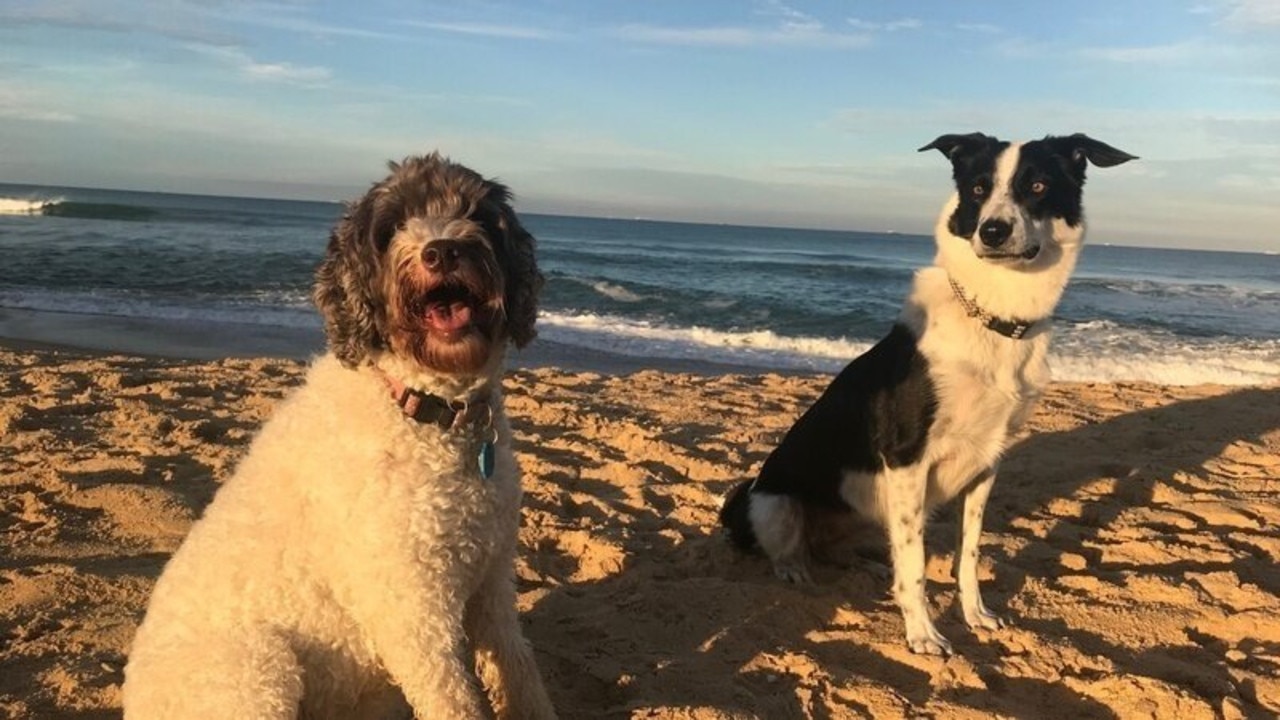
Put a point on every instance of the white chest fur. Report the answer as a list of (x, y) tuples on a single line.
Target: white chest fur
[(986, 386)]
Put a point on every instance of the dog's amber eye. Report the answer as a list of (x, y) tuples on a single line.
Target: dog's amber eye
[(979, 190), (1038, 187)]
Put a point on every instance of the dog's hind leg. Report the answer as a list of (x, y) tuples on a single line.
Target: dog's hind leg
[(778, 523), (904, 518), (504, 660), (965, 564)]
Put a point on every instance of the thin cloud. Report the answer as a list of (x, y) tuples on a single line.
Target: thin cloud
[(791, 18), (287, 73), (1151, 54), (789, 27), (280, 72), (36, 115), (518, 32), (788, 34), (18, 103), (890, 26), (182, 23), (986, 28), (1258, 131), (1250, 14), (255, 17), (777, 8)]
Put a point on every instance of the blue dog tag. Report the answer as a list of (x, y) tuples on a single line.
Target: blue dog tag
[(485, 460)]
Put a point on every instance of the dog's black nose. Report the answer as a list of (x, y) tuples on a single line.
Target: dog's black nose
[(994, 233), (442, 255)]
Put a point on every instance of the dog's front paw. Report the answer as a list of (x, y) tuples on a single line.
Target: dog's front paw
[(928, 641), (793, 571), (980, 618)]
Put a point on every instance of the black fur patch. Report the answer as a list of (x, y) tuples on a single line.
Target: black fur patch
[(973, 167), (735, 518), (1060, 179), (877, 411)]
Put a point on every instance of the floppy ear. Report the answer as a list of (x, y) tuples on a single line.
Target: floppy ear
[(954, 146), (345, 289), (1079, 147), (519, 266)]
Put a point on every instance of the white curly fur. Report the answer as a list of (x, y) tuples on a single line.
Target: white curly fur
[(354, 552)]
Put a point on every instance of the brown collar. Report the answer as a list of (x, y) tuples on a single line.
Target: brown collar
[(1013, 329), (448, 415)]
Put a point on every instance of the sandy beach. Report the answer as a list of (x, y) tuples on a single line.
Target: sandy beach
[(1132, 538)]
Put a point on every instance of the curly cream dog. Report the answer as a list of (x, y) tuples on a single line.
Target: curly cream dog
[(362, 554)]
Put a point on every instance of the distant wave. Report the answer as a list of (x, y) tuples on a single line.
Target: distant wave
[(288, 308), (1106, 351), (617, 292), (98, 211), (58, 207), (25, 206), (1173, 290)]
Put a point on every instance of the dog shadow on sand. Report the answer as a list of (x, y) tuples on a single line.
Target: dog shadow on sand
[(648, 611)]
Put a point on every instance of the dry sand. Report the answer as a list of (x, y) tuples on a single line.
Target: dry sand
[(1132, 537)]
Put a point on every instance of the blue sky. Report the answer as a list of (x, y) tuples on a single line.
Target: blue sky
[(757, 112)]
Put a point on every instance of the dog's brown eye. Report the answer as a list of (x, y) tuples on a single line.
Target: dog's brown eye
[(1038, 187), (979, 190)]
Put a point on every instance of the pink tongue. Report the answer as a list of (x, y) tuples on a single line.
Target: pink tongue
[(449, 318)]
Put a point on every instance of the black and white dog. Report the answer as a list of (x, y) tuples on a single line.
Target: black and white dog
[(924, 416)]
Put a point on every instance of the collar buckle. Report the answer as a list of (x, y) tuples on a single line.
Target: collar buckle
[(424, 407)]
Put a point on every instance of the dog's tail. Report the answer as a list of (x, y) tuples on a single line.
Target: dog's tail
[(736, 517)]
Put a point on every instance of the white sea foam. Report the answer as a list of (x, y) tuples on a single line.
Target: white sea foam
[(723, 303), (617, 292), (758, 348), (1103, 351), (1097, 351), (25, 206)]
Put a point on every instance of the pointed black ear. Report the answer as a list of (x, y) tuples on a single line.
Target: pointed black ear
[(956, 145), (1079, 147)]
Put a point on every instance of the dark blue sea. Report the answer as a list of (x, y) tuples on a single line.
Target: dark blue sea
[(772, 298)]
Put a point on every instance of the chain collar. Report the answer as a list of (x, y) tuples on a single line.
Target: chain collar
[(1013, 329)]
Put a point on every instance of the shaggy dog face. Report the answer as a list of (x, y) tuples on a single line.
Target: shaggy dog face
[(433, 265)]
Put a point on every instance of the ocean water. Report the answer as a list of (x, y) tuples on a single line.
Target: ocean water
[(770, 298)]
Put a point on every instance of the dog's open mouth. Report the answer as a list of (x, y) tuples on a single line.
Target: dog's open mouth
[(449, 310)]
